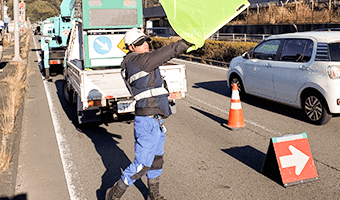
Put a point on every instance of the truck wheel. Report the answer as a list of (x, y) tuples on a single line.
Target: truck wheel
[(315, 109), (68, 93), (47, 73)]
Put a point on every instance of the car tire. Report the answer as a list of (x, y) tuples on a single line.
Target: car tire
[(315, 109), (238, 81)]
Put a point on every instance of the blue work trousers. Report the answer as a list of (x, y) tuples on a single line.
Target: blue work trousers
[(149, 142)]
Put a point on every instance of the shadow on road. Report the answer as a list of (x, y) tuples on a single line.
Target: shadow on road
[(248, 155), (220, 87), (3, 65), (254, 159), (18, 197), (219, 120), (113, 158)]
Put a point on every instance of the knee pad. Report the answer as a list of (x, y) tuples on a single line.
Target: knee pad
[(157, 162)]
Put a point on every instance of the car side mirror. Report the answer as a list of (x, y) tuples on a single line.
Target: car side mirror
[(245, 55)]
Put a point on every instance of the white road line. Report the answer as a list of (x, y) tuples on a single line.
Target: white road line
[(227, 113), (217, 108), (70, 170)]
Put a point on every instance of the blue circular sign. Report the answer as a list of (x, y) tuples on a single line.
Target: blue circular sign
[(102, 45)]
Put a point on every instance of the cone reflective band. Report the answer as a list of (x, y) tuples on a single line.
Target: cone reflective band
[(236, 120)]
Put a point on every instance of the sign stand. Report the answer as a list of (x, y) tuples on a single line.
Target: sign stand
[(289, 160)]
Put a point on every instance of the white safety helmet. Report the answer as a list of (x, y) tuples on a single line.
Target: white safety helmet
[(134, 36)]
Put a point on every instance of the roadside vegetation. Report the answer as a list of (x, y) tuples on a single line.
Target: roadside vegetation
[(16, 84), (213, 50)]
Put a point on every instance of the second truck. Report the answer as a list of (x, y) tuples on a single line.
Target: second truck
[(58, 36)]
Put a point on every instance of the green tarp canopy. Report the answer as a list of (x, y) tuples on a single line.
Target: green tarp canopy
[(197, 20)]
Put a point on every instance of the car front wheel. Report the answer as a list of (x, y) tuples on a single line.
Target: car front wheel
[(315, 109), (238, 82)]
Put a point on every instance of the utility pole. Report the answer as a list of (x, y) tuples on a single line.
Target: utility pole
[(16, 31)]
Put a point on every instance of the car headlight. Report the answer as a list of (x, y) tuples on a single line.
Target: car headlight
[(333, 72)]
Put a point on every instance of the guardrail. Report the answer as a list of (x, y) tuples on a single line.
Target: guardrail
[(239, 37), (204, 61)]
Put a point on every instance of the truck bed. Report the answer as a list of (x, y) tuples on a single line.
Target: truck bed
[(108, 83)]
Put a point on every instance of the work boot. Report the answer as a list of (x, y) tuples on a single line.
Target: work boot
[(117, 191), (153, 185)]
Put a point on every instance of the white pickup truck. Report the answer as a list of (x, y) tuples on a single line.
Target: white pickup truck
[(99, 89)]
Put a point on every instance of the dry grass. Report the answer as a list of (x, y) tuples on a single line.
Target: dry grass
[(7, 41), (5, 157), (7, 57), (24, 49), (16, 83), (290, 14)]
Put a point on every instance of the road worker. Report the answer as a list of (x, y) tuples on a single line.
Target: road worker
[(140, 68)]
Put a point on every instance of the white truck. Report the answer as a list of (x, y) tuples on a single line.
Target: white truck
[(93, 78)]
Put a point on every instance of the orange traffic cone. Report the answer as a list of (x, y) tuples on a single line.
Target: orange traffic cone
[(236, 120)]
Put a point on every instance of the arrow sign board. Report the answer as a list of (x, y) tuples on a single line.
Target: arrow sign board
[(105, 46), (292, 155)]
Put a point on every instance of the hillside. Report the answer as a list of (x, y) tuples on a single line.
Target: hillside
[(38, 10)]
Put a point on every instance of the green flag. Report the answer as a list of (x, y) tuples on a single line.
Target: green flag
[(197, 20)]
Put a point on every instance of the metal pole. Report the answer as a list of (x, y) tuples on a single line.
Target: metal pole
[(312, 11), (330, 11), (296, 11), (269, 13), (2, 17), (258, 13), (16, 31)]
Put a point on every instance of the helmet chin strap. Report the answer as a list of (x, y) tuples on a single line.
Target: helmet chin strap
[(133, 46)]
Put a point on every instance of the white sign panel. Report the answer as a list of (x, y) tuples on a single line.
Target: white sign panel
[(105, 46)]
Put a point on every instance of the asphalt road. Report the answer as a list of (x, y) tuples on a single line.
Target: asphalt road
[(203, 159)]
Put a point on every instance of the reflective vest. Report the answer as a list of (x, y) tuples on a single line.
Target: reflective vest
[(148, 90)]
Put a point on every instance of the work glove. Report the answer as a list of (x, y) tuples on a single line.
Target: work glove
[(185, 45)]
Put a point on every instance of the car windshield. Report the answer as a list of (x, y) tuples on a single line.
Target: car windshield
[(334, 51)]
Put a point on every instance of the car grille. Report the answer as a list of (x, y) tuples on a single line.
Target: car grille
[(322, 52)]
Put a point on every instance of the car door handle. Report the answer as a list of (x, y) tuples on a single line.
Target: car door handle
[(304, 67), (268, 65)]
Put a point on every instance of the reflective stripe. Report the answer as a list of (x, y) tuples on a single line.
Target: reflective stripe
[(151, 93), (236, 106), (235, 94), (139, 168), (137, 76)]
